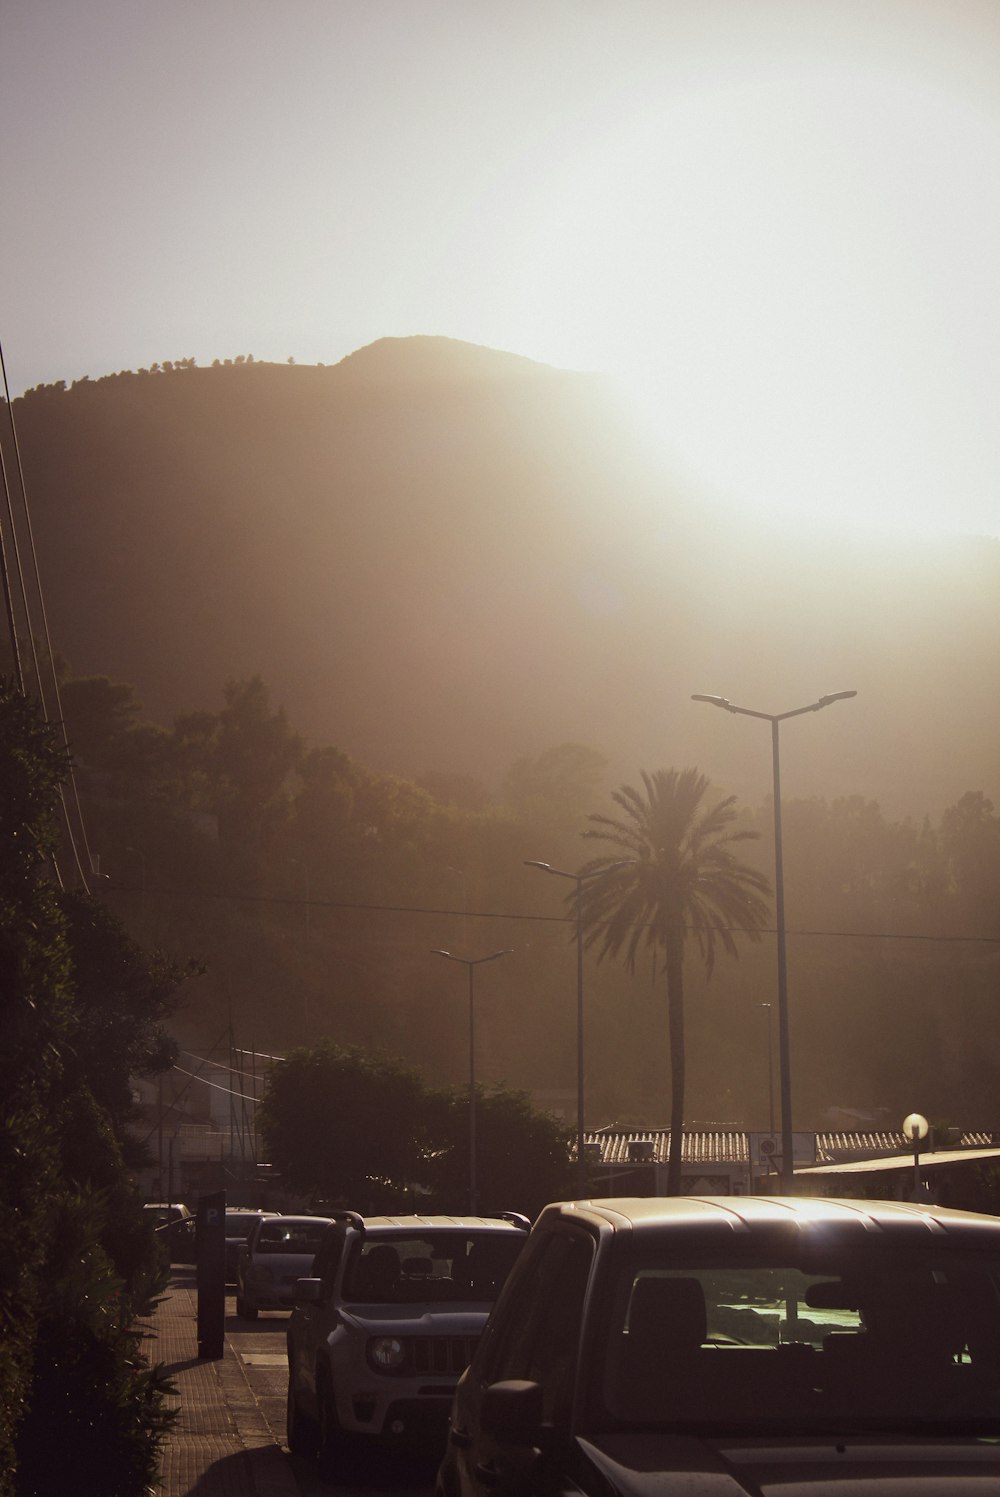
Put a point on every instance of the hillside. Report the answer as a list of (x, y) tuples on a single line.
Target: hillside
[(444, 557)]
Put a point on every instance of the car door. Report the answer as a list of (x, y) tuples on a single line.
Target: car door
[(312, 1323), (534, 1335)]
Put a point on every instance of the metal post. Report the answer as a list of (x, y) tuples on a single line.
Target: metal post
[(770, 1071), (579, 879), (471, 963), (784, 1046), (473, 1196)]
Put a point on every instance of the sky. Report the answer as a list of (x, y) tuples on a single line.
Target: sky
[(776, 223)]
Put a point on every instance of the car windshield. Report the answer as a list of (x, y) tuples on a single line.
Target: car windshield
[(439, 1267), (240, 1226), (289, 1237), (806, 1341)]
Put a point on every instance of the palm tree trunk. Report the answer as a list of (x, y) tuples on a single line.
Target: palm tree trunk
[(675, 1026)]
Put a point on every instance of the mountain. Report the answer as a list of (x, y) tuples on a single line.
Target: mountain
[(441, 556)]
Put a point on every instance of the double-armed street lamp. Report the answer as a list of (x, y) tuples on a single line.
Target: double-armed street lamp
[(472, 962), (784, 1056), (579, 879)]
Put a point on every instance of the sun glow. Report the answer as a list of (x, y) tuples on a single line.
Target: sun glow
[(787, 291)]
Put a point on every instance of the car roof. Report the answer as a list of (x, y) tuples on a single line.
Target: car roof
[(762, 1214), (305, 1220), (416, 1223)]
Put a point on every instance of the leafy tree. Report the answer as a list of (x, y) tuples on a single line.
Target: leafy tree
[(122, 996), (34, 1014), (555, 789), (237, 765), (77, 1407), (345, 1125), (678, 876), (522, 1155), (352, 1127)]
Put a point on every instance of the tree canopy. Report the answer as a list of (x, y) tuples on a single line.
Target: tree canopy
[(353, 1128), (673, 873)]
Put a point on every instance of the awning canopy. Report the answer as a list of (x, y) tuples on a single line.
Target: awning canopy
[(928, 1161)]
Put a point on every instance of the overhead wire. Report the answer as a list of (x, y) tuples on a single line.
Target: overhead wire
[(59, 720), (515, 916)]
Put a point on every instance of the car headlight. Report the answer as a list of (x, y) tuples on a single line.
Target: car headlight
[(386, 1353)]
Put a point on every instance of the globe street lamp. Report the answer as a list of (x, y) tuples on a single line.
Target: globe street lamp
[(915, 1128), (472, 962), (579, 879), (784, 1057)]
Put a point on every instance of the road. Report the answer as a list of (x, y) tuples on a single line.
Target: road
[(260, 1346)]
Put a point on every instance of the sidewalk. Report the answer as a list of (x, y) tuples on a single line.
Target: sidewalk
[(221, 1445)]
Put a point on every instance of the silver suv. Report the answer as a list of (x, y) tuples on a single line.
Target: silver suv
[(381, 1332)]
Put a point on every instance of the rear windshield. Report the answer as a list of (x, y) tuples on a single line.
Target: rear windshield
[(240, 1226), (862, 1340), (289, 1237), (438, 1267)]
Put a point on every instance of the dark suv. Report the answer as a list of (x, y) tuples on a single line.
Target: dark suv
[(737, 1345), (389, 1319)]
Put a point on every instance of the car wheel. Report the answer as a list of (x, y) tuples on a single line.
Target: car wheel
[(301, 1434), (333, 1446)]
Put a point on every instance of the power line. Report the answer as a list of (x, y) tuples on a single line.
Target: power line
[(407, 909)]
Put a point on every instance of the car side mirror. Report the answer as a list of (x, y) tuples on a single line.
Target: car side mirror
[(511, 1412), (309, 1292)]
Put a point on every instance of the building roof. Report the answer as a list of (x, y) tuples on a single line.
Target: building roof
[(631, 1147)]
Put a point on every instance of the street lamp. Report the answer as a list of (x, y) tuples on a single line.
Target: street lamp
[(472, 962), (915, 1128), (579, 879), (784, 1057)]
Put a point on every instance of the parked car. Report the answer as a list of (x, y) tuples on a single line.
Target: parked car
[(175, 1227), (278, 1252), (240, 1222), (382, 1329), (737, 1345)]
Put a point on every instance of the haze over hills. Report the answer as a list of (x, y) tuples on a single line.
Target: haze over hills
[(440, 556)]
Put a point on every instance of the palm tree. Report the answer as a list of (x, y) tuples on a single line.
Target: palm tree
[(679, 876)]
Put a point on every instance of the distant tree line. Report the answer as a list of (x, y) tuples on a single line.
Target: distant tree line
[(292, 871)]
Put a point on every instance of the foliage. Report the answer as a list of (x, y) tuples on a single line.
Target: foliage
[(123, 995), (77, 1406), (344, 1125), (676, 874), (96, 1417), (353, 1128), (522, 1154)]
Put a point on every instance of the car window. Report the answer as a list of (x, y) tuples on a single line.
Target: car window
[(450, 1267), (240, 1225), (288, 1237), (328, 1258), (868, 1337), (540, 1341)]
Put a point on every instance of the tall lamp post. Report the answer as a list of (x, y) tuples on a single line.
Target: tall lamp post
[(579, 879), (770, 1069), (784, 1056), (472, 962)]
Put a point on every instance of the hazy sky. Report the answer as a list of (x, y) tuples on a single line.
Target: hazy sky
[(780, 222)]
